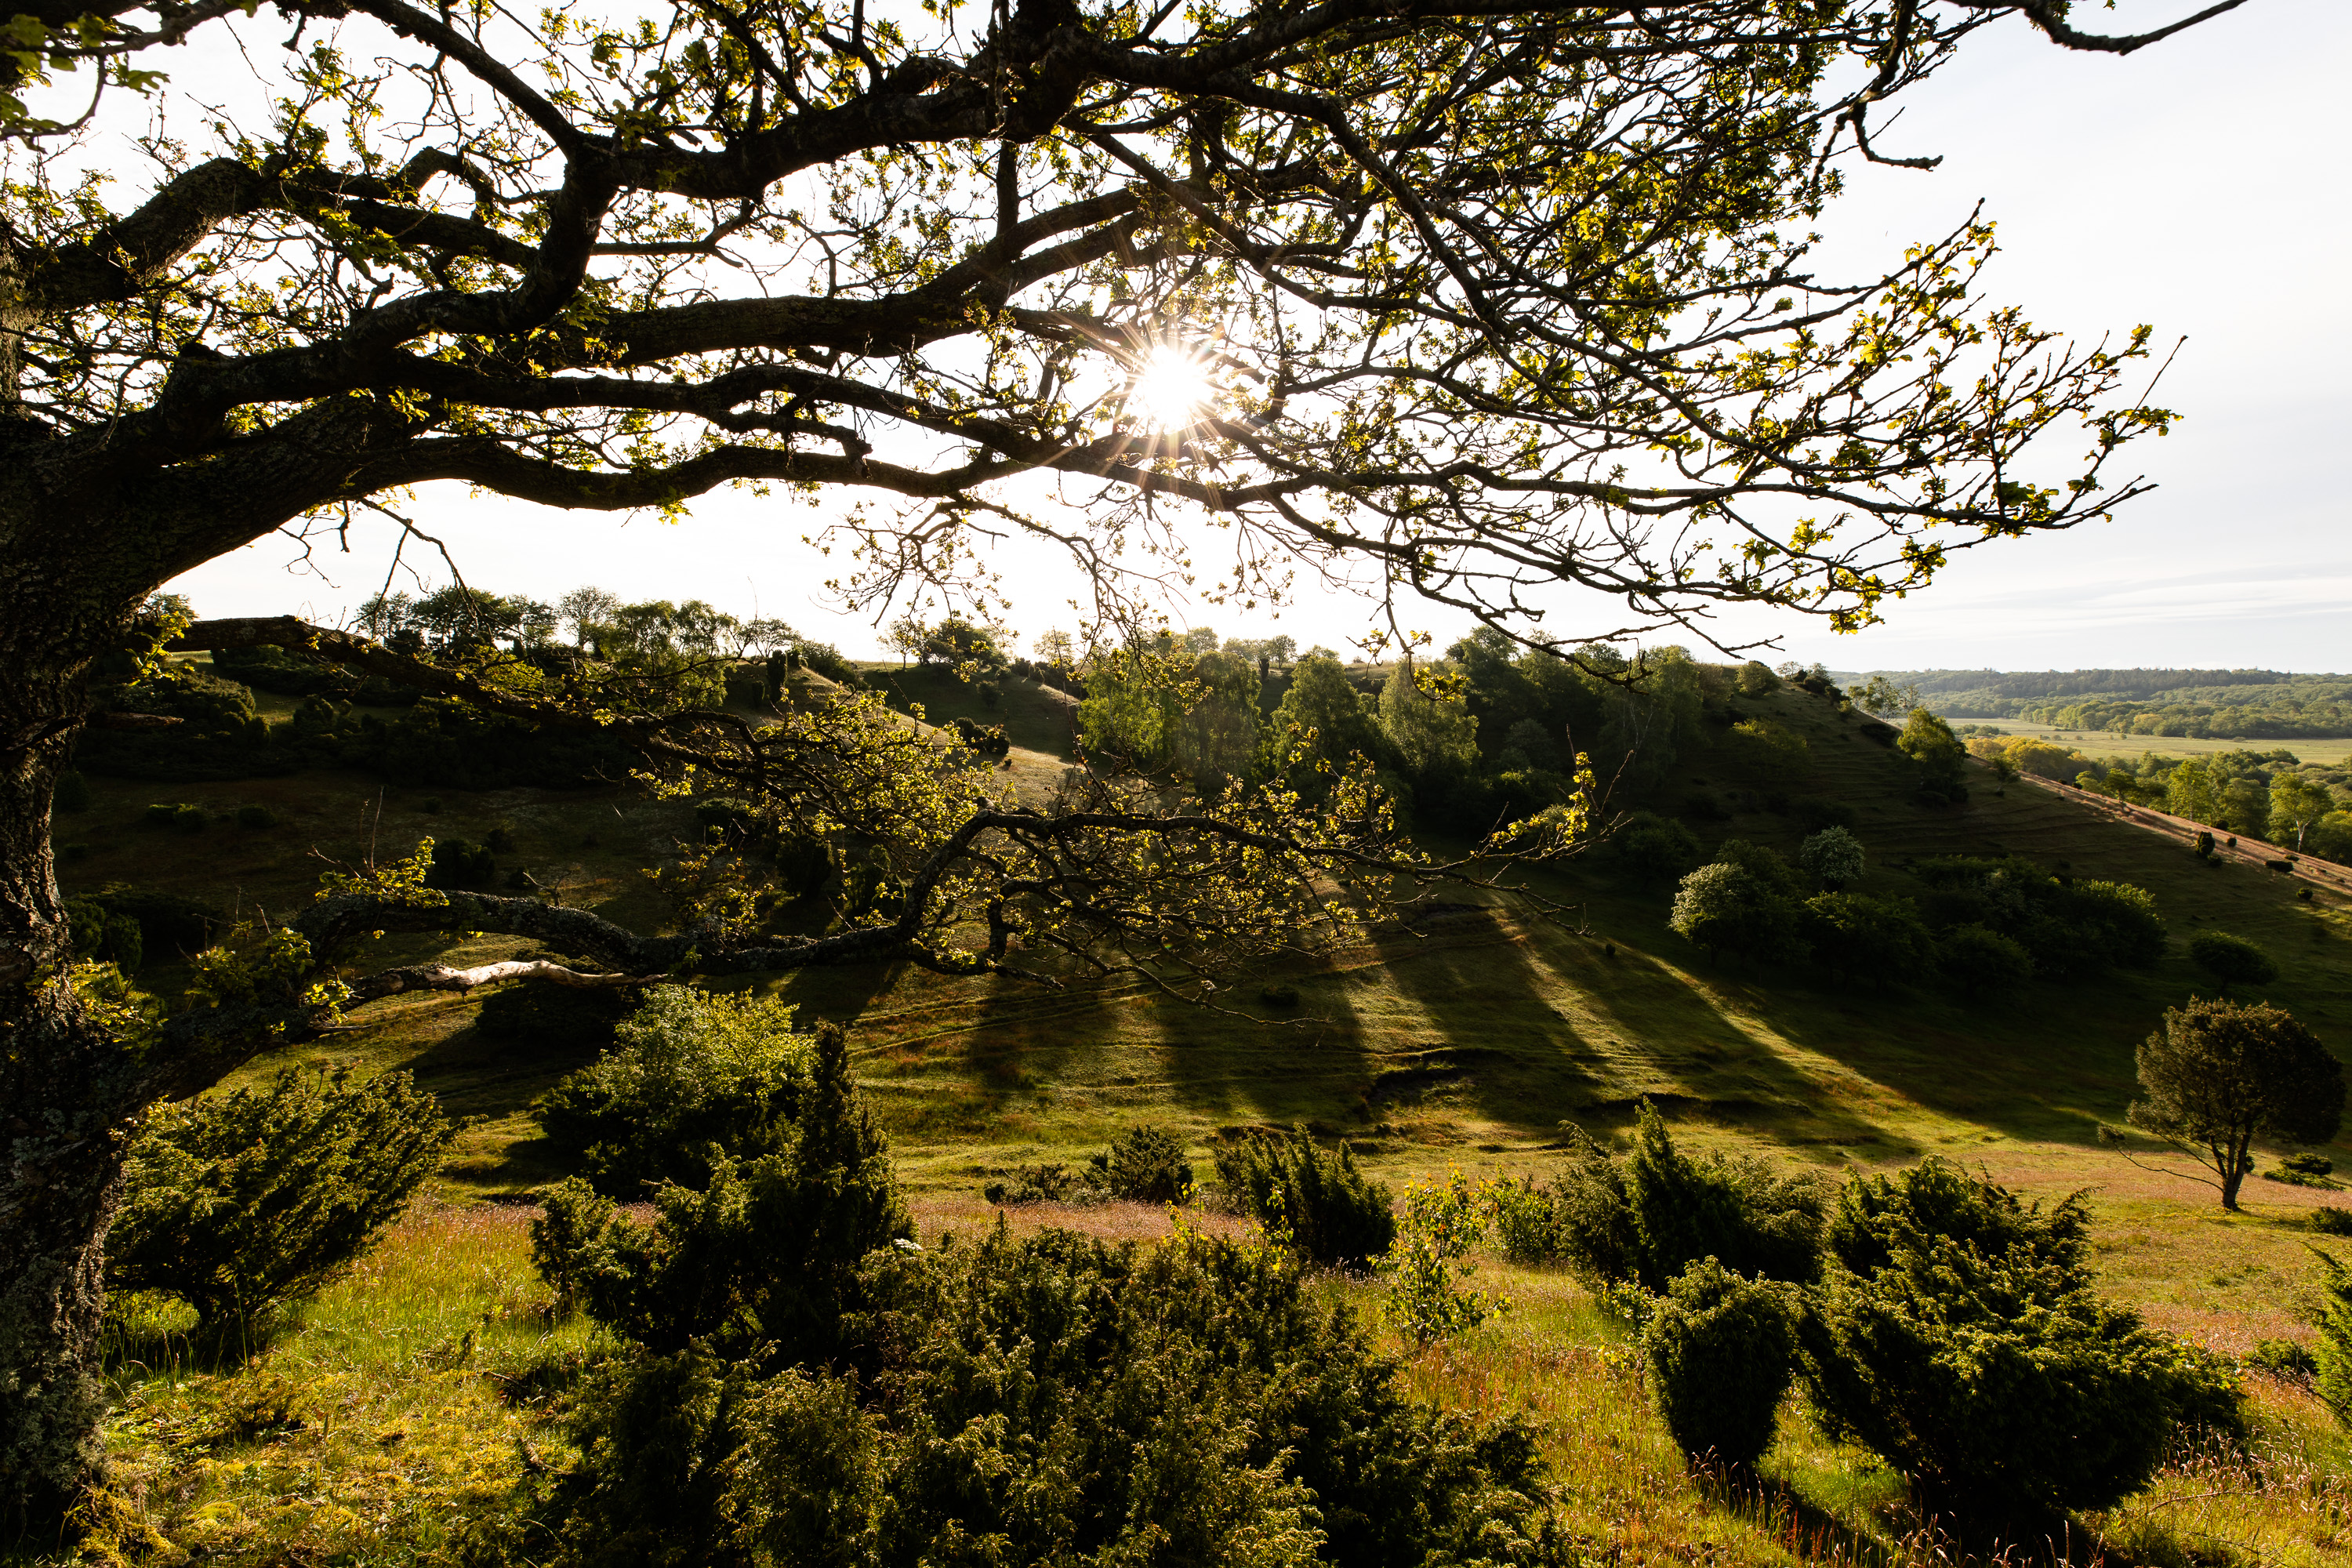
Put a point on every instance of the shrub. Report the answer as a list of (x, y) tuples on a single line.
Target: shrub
[(2231, 960), (2330, 1220), (457, 864), (2070, 931), (1648, 1218), (1145, 1165), (1880, 939), (1060, 1401), (2309, 1164), (1430, 1257), (1531, 1222), (70, 792), (1721, 1354), (501, 840), (1960, 1339), (561, 1017), (571, 1219), (1315, 1197), (1654, 848), (1282, 994), (765, 1256), (2332, 1353), (692, 1079), (1814, 814), (102, 935), (1727, 909), (255, 816), (2284, 1358), (242, 1203), (1049, 1182), (1833, 856), (1979, 964)]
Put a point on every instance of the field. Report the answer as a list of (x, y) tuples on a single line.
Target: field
[(2106, 742), (1461, 1041)]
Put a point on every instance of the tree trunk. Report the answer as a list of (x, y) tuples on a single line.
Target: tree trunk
[(2237, 1160), (71, 1091)]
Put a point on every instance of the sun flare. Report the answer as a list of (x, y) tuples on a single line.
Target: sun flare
[(1171, 389)]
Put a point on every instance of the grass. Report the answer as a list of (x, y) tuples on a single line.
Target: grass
[(1463, 1039)]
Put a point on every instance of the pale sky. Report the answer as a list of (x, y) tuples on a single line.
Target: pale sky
[(2200, 186)]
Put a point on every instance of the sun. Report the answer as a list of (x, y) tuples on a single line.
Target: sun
[(1170, 390)]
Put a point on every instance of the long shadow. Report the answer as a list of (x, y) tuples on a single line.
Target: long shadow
[(1281, 1049), (1501, 1048)]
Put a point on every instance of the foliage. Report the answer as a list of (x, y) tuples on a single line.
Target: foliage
[(104, 935), (1833, 856), (2231, 960), (1961, 1340), (1145, 1163), (2072, 930), (1764, 753), (240, 1203), (1047, 1182), (1980, 963), (1654, 849), (1720, 1353), (693, 1080), (1063, 1401), (1648, 1217), (1857, 937), (218, 736), (460, 864), (1429, 1259), (1941, 758), (767, 1252), (1312, 1196), (1728, 910), (2332, 1348), (255, 816), (2218, 1074)]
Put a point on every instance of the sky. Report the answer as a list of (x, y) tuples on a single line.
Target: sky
[(2198, 185)]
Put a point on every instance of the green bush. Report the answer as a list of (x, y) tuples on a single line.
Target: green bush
[(2330, 1220), (1050, 1182), (255, 816), (457, 864), (2071, 930), (104, 936), (1960, 1339), (569, 1018), (2231, 960), (1048, 1399), (1720, 1353), (765, 1256), (1654, 848), (1329, 1210), (1979, 964), (692, 1079), (1727, 910), (70, 792), (1855, 937), (1145, 1165), (239, 1204), (2332, 1352), (1646, 1219), (1834, 857)]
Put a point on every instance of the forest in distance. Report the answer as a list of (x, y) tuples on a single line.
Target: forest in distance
[(2228, 704)]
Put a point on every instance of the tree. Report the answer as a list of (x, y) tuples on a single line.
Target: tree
[(1834, 856), (1428, 725), (1728, 909), (1320, 725), (2218, 1075), (1882, 694), (1928, 742), (572, 280), (2296, 803)]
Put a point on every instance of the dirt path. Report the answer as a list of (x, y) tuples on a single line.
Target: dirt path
[(2320, 873)]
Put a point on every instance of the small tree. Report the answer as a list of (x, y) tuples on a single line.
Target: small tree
[(1980, 963), (1720, 1353), (1441, 1224), (2231, 960), (242, 1203), (1654, 848), (1727, 908), (1877, 941), (1145, 1164), (2218, 1075), (1942, 760), (1333, 1213), (1833, 856)]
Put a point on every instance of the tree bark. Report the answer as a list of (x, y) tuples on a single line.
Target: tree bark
[(71, 1091)]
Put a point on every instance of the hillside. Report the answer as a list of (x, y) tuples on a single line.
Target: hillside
[(2227, 704), (1462, 1039)]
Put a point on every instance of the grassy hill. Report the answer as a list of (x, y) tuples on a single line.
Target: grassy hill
[(1462, 1039)]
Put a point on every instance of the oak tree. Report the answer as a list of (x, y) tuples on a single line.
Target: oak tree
[(1463, 301)]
